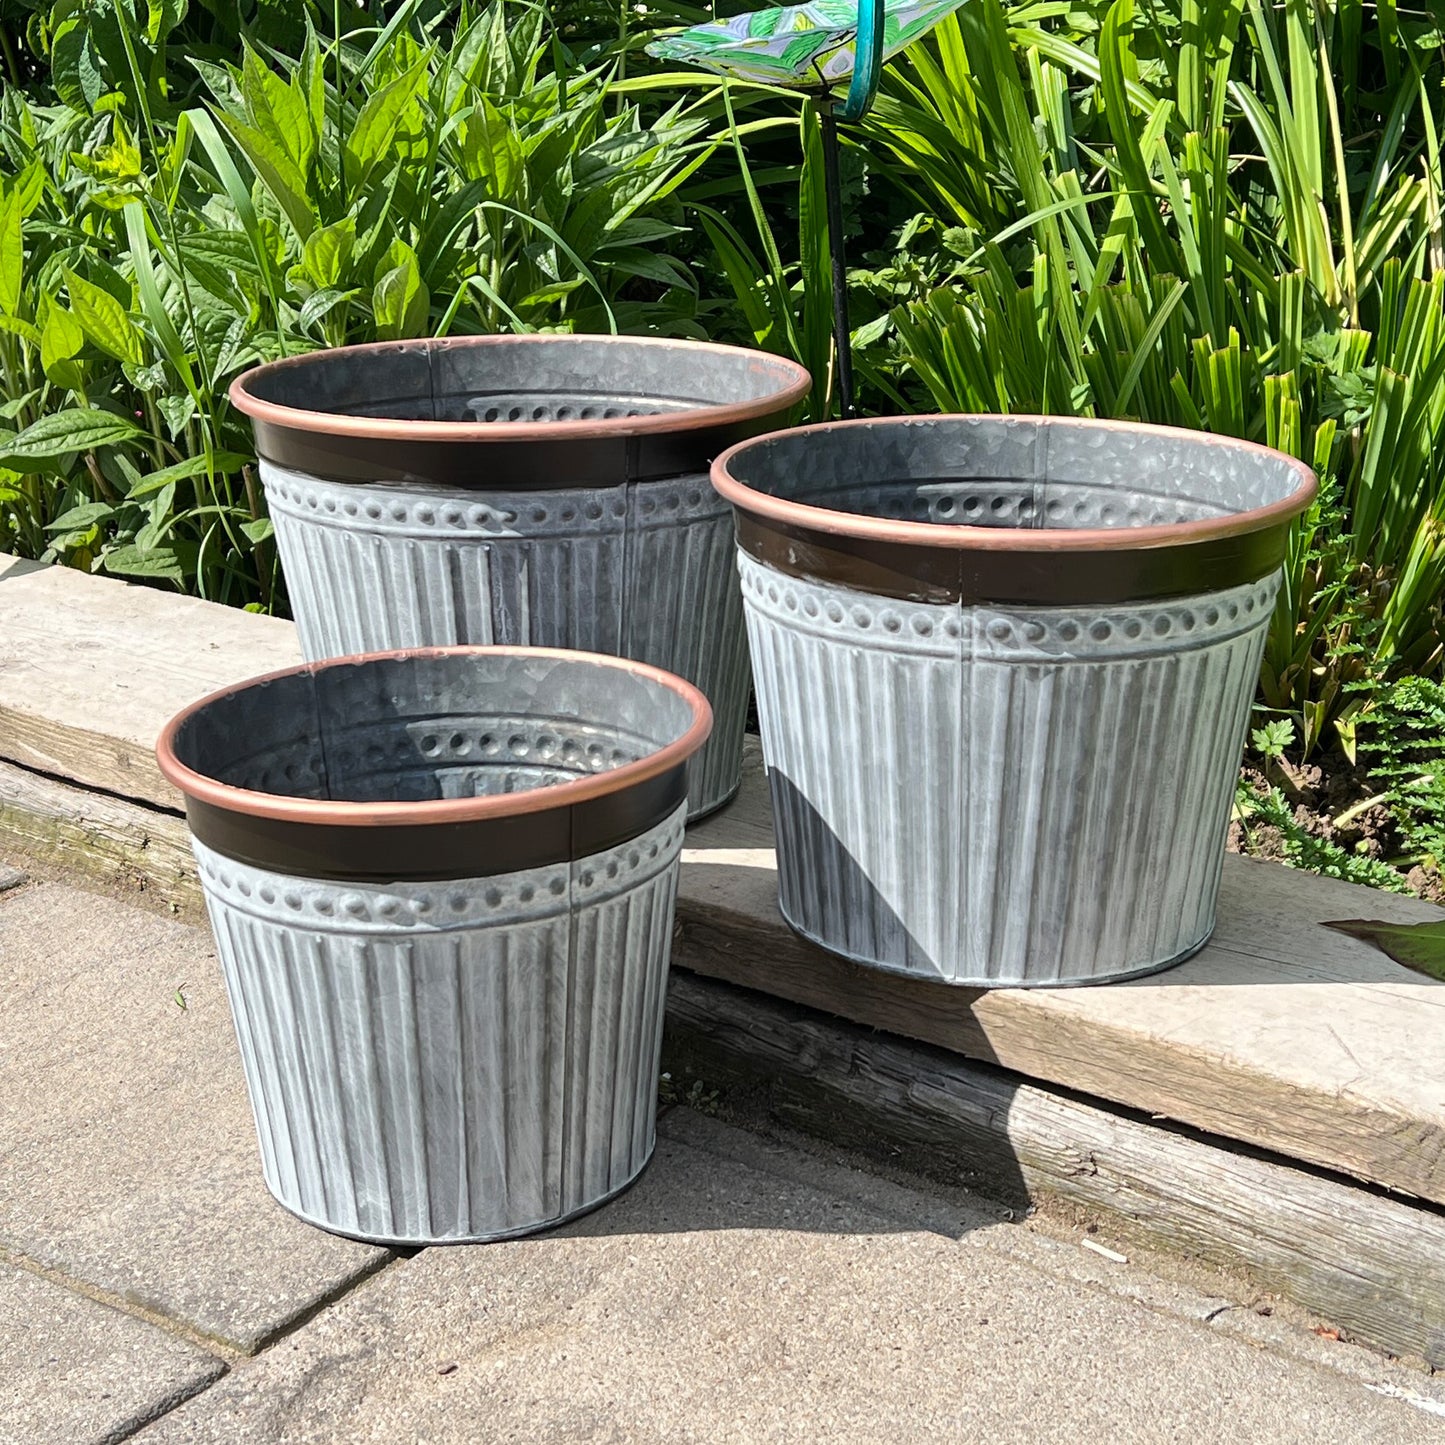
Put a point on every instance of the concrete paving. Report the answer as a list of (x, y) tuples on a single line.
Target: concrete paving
[(720, 1300), (744, 1290), (130, 1154), (72, 1370)]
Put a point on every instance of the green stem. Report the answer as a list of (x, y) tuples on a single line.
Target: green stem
[(12, 63)]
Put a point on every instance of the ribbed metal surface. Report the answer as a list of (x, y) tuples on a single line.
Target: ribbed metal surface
[(452, 1061), (1029, 796), (642, 571)]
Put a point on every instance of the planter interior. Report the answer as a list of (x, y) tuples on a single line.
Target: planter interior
[(1026, 474), (429, 727), (504, 381), (1004, 669)]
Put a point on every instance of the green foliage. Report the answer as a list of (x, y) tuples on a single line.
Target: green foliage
[(1418, 946), (1256, 809), (1205, 216), (1273, 739), (1402, 743), (408, 180)]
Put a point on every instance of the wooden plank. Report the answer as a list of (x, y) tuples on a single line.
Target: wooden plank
[(91, 668), (121, 844), (1279, 1033), (1374, 1267)]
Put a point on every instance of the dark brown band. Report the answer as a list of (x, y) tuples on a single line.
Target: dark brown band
[(429, 852), (1057, 577), (482, 466)]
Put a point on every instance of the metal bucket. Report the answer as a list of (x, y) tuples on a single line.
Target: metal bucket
[(542, 491), (1004, 668), (442, 890)]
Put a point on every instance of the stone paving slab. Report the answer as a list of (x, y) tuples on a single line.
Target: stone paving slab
[(721, 1300), (74, 1371), (130, 1159)]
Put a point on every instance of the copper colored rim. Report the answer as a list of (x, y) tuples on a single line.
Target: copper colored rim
[(339, 813), (798, 383), (961, 537)]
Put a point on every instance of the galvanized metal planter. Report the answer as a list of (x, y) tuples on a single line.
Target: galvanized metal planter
[(1003, 669), (442, 889), (527, 490)]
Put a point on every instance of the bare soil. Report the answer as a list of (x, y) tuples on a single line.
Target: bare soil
[(1330, 801)]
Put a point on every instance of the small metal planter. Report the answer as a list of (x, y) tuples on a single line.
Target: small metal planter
[(542, 491), (442, 889), (1004, 668)]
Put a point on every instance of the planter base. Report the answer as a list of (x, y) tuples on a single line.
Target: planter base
[(1082, 981), (495, 1237)]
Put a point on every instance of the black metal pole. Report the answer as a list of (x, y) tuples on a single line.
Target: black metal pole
[(842, 334)]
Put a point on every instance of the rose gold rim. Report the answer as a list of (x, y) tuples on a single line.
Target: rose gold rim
[(273, 413), (339, 813), (1009, 539)]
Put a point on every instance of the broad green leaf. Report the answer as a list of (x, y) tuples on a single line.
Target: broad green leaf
[(277, 172), (77, 519), (62, 433), (130, 561), (321, 304), (104, 320), (490, 149), (178, 409), (30, 186), (1418, 946), (75, 65), (278, 111), (377, 122), (228, 250), (12, 251), (327, 252), (259, 530), (157, 481), (311, 77), (61, 339), (400, 302), (23, 329)]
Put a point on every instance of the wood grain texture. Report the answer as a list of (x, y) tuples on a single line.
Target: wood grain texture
[(1279, 1033), (91, 668), (125, 845), (1374, 1267)]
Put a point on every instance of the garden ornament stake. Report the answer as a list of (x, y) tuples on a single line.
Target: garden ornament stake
[(814, 48)]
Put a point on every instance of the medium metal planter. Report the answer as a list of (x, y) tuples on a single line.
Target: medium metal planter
[(1004, 668), (542, 491), (442, 890)]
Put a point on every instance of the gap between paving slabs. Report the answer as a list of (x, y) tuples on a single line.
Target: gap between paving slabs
[(746, 1290), (131, 1154)]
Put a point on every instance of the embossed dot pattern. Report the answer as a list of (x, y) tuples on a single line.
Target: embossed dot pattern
[(975, 502), (1028, 632), (555, 406)]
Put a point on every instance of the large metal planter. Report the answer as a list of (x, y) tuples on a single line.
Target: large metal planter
[(542, 491), (1003, 668), (442, 888)]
